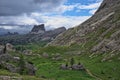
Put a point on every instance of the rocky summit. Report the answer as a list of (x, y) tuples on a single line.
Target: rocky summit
[(102, 29), (38, 29)]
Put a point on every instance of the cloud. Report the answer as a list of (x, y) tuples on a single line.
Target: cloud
[(19, 20), (49, 12), (50, 22), (90, 6), (59, 20), (17, 7)]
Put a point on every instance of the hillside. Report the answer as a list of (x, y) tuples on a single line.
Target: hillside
[(102, 29)]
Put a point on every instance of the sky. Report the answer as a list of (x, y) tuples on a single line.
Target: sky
[(52, 13)]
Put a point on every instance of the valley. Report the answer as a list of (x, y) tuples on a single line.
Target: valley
[(89, 51)]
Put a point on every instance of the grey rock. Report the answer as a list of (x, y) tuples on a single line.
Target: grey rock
[(64, 67), (9, 47), (45, 55), (38, 29), (27, 52), (31, 69), (77, 67)]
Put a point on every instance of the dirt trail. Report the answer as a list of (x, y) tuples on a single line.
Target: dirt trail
[(92, 75)]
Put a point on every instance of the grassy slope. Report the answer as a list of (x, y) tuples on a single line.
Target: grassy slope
[(15, 76), (107, 70)]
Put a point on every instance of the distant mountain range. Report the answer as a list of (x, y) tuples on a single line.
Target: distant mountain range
[(3, 31), (21, 29)]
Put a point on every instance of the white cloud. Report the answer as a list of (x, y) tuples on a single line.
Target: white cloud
[(19, 20), (52, 18), (64, 8), (59, 21), (90, 6), (49, 21), (6, 27)]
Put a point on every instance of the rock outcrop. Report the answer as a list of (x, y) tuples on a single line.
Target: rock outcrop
[(38, 29), (48, 35)]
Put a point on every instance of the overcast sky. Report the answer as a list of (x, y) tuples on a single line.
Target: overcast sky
[(53, 13)]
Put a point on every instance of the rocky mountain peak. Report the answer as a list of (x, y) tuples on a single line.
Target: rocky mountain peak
[(38, 29)]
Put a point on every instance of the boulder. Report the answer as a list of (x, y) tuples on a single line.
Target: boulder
[(27, 52), (9, 47), (31, 69), (5, 57), (45, 55), (10, 78), (64, 67), (57, 56), (77, 67), (10, 67)]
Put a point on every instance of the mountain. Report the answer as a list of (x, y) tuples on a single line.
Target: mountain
[(37, 34), (3, 31), (102, 30), (21, 29)]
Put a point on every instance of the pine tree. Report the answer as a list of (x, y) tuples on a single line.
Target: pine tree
[(72, 61), (22, 65), (5, 49)]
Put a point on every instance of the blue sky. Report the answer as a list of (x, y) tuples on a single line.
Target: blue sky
[(53, 13)]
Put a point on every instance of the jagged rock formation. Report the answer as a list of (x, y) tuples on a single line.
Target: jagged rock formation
[(102, 30), (48, 35), (38, 29)]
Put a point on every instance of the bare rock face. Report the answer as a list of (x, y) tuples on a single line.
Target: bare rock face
[(9, 47), (48, 35), (38, 29)]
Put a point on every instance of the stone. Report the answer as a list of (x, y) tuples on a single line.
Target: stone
[(45, 55), (64, 67), (10, 78), (5, 57), (31, 68), (5, 78), (9, 47), (56, 57), (77, 67), (27, 52), (9, 67)]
